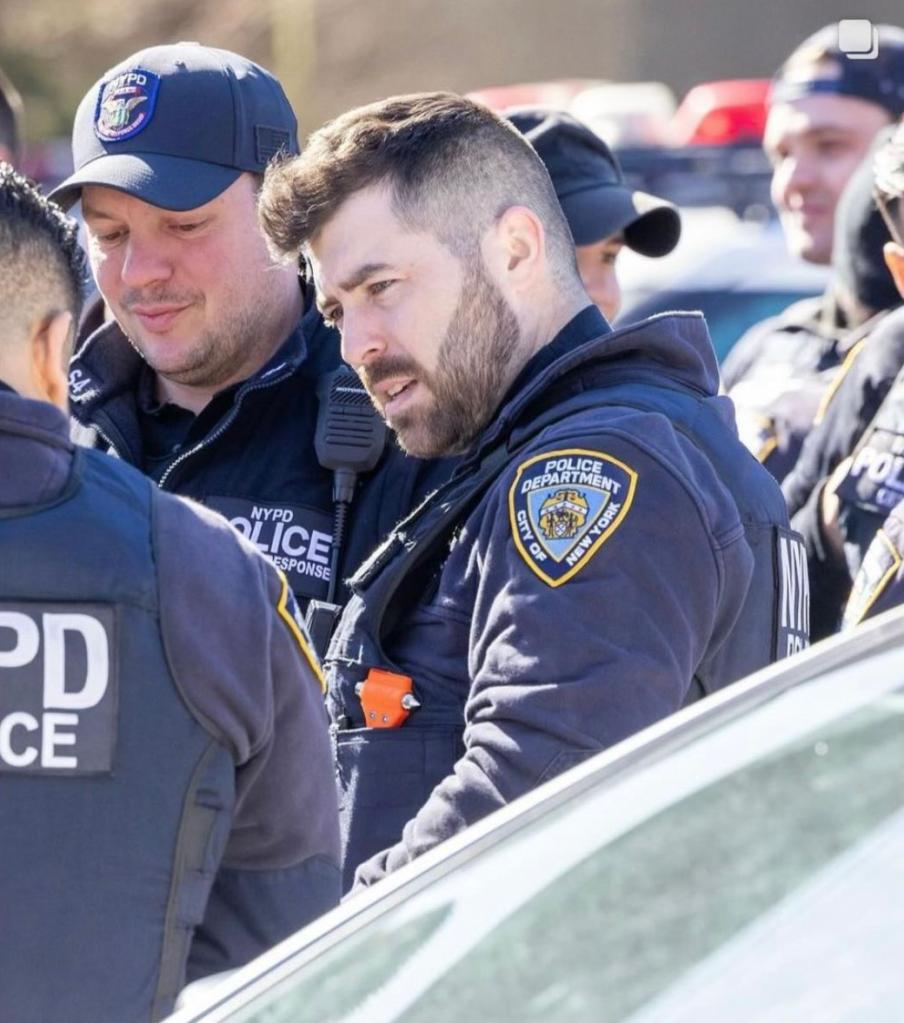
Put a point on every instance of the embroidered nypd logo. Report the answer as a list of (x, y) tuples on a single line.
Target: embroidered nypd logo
[(564, 505), (125, 105)]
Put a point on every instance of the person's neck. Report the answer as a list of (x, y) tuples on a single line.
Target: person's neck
[(195, 398), (541, 328)]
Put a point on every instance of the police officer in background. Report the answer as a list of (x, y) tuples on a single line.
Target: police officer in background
[(167, 802), (207, 380), (824, 113), (603, 213), (605, 552), (858, 448)]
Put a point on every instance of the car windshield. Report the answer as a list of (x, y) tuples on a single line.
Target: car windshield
[(755, 873)]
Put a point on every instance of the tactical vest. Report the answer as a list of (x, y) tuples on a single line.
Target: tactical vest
[(114, 802), (774, 620)]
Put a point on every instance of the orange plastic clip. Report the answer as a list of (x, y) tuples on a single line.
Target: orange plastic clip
[(387, 698)]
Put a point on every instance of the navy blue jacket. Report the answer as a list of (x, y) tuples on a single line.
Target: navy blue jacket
[(862, 394), (167, 803), (619, 561), (250, 454), (879, 582)]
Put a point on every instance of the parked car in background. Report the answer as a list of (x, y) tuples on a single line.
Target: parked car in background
[(736, 272), (742, 860)]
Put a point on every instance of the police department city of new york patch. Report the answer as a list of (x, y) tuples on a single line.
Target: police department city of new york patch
[(564, 505), (125, 105)]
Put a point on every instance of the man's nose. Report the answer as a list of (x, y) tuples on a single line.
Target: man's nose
[(145, 263), (362, 338), (796, 174)]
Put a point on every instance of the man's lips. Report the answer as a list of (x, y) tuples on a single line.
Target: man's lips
[(157, 318), (809, 210), (395, 392)]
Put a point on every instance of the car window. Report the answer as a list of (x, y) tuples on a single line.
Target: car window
[(626, 903)]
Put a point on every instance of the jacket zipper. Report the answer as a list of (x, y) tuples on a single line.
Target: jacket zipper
[(224, 425)]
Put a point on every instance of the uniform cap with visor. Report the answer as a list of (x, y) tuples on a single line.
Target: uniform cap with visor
[(176, 125), (590, 187)]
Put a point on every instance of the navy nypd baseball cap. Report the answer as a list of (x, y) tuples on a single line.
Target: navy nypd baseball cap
[(590, 187), (177, 125), (819, 65)]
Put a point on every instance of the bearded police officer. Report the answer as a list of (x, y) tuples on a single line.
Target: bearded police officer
[(207, 378), (167, 802), (606, 550)]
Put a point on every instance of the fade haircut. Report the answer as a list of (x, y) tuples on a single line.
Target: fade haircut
[(888, 174), (42, 268), (452, 167)]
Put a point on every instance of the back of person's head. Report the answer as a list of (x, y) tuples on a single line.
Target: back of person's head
[(10, 121), (42, 269), (865, 283), (452, 167)]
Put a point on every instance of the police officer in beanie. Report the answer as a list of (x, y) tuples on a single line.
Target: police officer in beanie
[(825, 110), (606, 550), (207, 378), (603, 213), (166, 783)]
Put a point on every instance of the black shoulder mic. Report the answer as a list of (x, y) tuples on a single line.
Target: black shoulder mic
[(349, 439)]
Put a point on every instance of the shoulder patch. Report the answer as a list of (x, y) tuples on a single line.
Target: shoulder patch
[(880, 565), (564, 505)]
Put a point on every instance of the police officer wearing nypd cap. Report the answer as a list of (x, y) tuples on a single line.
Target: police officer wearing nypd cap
[(824, 112), (606, 550), (167, 802), (603, 213), (207, 377)]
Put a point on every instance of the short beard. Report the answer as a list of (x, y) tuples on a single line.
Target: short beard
[(474, 369)]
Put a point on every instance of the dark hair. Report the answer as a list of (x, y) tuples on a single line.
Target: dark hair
[(888, 173), (452, 165), (40, 257), (10, 118)]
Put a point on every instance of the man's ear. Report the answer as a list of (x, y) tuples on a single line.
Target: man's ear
[(51, 347), (519, 241), (894, 260)]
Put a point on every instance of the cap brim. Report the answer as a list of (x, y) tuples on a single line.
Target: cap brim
[(650, 226), (170, 182)]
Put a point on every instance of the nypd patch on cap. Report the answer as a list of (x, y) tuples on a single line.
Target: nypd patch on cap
[(176, 125), (125, 105)]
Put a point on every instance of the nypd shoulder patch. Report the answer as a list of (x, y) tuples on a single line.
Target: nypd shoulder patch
[(125, 105), (564, 505)]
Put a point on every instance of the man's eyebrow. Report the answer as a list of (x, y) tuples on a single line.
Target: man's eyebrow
[(361, 274), (90, 211), (351, 282)]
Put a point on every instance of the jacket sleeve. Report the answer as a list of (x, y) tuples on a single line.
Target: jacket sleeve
[(879, 583), (851, 401), (564, 666), (242, 659)]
